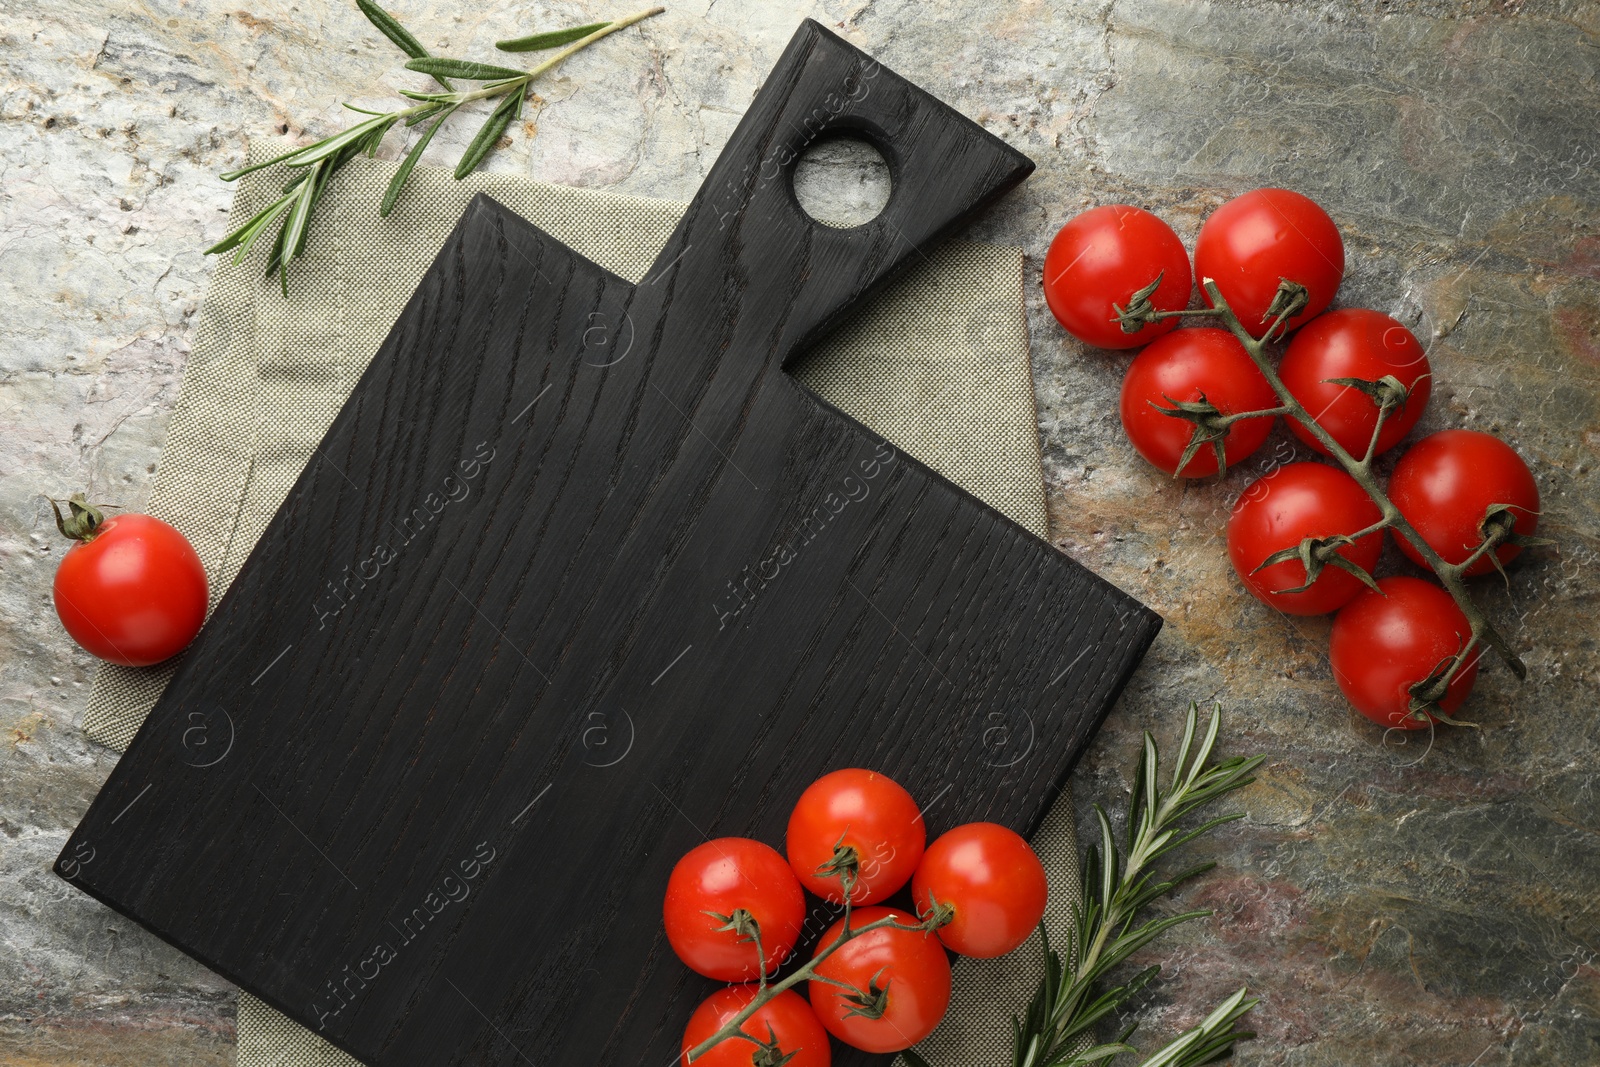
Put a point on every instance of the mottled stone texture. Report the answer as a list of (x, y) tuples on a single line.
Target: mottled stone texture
[(1394, 905)]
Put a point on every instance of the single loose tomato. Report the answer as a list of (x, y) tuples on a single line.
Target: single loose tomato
[(784, 1025), (859, 818), (1355, 343), (1284, 508), (1100, 260), (714, 891), (132, 590), (1256, 241), (901, 978), (1384, 643), (1445, 485), (993, 883), (1194, 365)]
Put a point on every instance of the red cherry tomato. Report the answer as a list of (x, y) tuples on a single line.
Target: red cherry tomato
[(1384, 643), (860, 810), (1102, 257), (1254, 241), (723, 876), (1354, 343), (903, 973), (786, 1021), (132, 590), (1445, 484), (1194, 364), (991, 879), (1279, 511)]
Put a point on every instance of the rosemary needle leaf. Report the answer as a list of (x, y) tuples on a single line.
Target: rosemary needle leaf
[(257, 222), (327, 147), (1100, 1052), (488, 135), (538, 42), (391, 194), (275, 261), (423, 116), (427, 98), (265, 219), (234, 175), (295, 228), (463, 68), (390, 27)]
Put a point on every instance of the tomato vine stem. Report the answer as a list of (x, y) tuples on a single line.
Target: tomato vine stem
[(1426, 694), (766, 992)]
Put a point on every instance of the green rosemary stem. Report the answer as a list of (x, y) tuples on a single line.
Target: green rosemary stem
[(578, 46)]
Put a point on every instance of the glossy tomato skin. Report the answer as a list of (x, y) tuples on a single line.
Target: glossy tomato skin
[(1193, 364), (1354, 343), (1446, 482), (791, 1022), (1384, 643), (863, 810), (994, 882), (1102, 257), (912, 965), (1285, 507), (720, 876), (134, 594), (1251, 243)]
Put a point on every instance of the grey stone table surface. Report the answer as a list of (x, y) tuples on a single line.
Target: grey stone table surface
[(1393, 905)]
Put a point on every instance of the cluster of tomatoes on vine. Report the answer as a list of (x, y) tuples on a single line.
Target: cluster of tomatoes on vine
[(879, 977), (1352, 383)]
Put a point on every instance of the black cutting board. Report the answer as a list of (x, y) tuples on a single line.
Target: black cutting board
[(578, 577)]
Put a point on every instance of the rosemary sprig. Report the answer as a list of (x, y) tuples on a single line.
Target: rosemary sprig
[(1108, 927), (316, 163)]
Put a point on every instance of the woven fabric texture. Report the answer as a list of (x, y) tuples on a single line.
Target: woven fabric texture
[(937, 364)]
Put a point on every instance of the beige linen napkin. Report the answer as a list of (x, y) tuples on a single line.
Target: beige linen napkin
[(937, 364)]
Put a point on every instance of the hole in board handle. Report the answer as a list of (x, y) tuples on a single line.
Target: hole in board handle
[(841, 180)]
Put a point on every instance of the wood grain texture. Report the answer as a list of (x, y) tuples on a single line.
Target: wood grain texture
[(578, 577)]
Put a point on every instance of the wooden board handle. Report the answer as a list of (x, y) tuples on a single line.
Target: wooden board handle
[(745, 231)]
